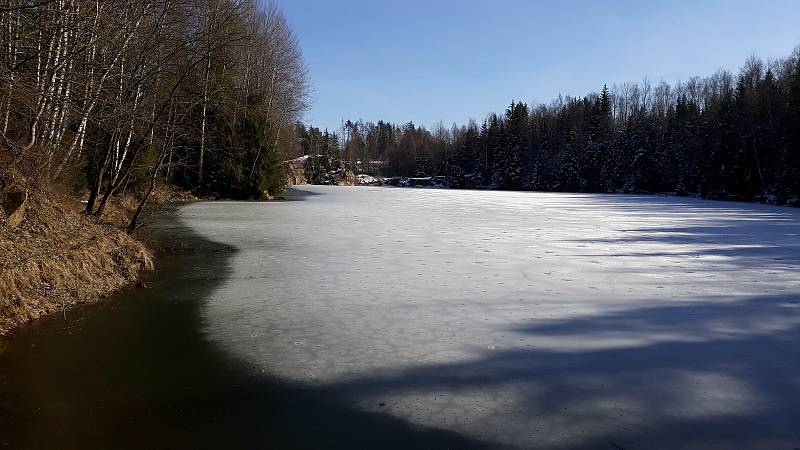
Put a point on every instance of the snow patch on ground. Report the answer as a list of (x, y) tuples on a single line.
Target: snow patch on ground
[(366, 179)]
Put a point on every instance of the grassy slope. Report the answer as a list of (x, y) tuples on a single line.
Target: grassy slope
[(59, 257)]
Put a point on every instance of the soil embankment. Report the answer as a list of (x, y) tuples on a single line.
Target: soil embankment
[(57, 257)]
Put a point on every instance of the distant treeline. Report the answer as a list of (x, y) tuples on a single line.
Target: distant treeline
[(725, 136), (109, 96)]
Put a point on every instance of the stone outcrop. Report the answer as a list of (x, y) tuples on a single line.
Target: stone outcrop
[(295, 172), (319, 170), (346, 177), (14, 205), (368, 180)]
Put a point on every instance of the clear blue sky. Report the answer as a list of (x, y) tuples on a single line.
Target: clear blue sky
[(451, 60)]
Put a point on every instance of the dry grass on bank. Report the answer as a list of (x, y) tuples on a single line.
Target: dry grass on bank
[(59, 257)]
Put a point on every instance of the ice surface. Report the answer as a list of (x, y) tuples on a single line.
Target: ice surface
[(531, 320)]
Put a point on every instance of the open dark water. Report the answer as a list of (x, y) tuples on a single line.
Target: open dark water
[(136, 371)]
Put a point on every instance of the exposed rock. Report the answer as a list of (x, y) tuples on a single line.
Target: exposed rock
[(14, 204), (367, 180), (346, 178), (319, 170), (296, 171)]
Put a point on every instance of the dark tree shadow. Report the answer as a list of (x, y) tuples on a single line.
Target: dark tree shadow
[(714, 228), (298, 195), (714, 373)]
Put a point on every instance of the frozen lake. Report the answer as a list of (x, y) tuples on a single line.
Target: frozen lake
[(526, 320), (401, 318)]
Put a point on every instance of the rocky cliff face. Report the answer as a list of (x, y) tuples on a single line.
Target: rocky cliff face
[(295, 172), (319, 170)]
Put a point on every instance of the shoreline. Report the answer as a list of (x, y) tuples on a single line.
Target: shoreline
[(426, 185)]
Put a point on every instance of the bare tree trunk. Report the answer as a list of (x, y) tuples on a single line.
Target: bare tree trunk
[(97, 179), (203, 123), (12, 55), (134, 222)]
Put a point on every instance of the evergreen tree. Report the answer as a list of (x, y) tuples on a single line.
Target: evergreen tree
[(719, 137)]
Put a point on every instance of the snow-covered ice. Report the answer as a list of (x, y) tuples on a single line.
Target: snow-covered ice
[(530, 320)]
